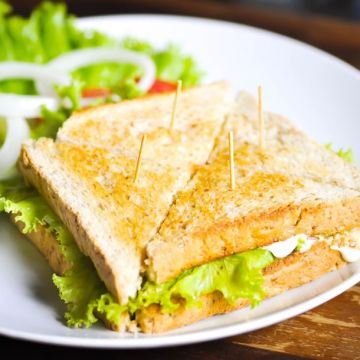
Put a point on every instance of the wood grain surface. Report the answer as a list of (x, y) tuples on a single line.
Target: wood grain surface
[(210, 351), (332, 330)]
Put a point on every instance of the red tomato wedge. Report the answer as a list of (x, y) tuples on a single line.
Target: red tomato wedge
[(160, 86), (95, 92)]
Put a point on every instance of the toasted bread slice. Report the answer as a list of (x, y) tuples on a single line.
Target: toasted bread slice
[(87, 174), (294, 186), (284, 274)]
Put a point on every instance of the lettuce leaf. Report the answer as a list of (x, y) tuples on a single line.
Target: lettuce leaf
[(32, 210), (108, 75), (50, 120), (236, 276), (346, 155), (5, 41), (49, 123), (84, 293), (50, 31), (2, 130), (172, 65)]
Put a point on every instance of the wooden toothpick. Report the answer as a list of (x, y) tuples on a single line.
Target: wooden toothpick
[(178, 90), (261, 119), (138, 162), (231, 162)]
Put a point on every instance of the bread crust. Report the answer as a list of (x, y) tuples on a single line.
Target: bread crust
[(290, 272), (229, 237)]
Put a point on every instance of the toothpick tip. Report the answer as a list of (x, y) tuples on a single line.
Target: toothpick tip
[(261, 119), (138, 162), (178, 90), (231, 160)]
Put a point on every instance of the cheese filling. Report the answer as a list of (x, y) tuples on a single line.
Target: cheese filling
[(348, 244), (348, 254)]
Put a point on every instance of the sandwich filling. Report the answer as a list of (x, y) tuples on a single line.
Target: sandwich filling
[(238, 276), (347, 243)]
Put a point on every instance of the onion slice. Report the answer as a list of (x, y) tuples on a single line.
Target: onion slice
[(90, 56), (28, 106), (38, 73), (17, 130), (13, 105)]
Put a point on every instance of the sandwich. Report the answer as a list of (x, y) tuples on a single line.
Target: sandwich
[(180, 245)]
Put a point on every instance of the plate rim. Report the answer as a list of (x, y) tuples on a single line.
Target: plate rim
[(339, 62), (168, 339)]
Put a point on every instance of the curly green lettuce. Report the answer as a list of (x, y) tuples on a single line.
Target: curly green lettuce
[(236, 276), (2, 130), (85, 294), (50, 31), (346, 155)]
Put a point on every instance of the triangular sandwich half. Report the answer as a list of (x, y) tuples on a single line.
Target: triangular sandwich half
[(87, 174), (294, 210)]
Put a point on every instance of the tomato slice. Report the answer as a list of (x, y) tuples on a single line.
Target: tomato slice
[(160, 86), (95, 92)]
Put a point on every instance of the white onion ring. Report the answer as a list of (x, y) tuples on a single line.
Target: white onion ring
[(38, 73), (13, 105), (28, 106), (17, 130), (90, 56)]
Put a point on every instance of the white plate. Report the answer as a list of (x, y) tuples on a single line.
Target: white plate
[(316, 90)]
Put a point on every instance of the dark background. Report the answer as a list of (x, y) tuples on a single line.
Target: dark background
[(349, 9), (306, 20)]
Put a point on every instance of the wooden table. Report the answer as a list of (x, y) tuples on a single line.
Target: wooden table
[(331, 331)]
